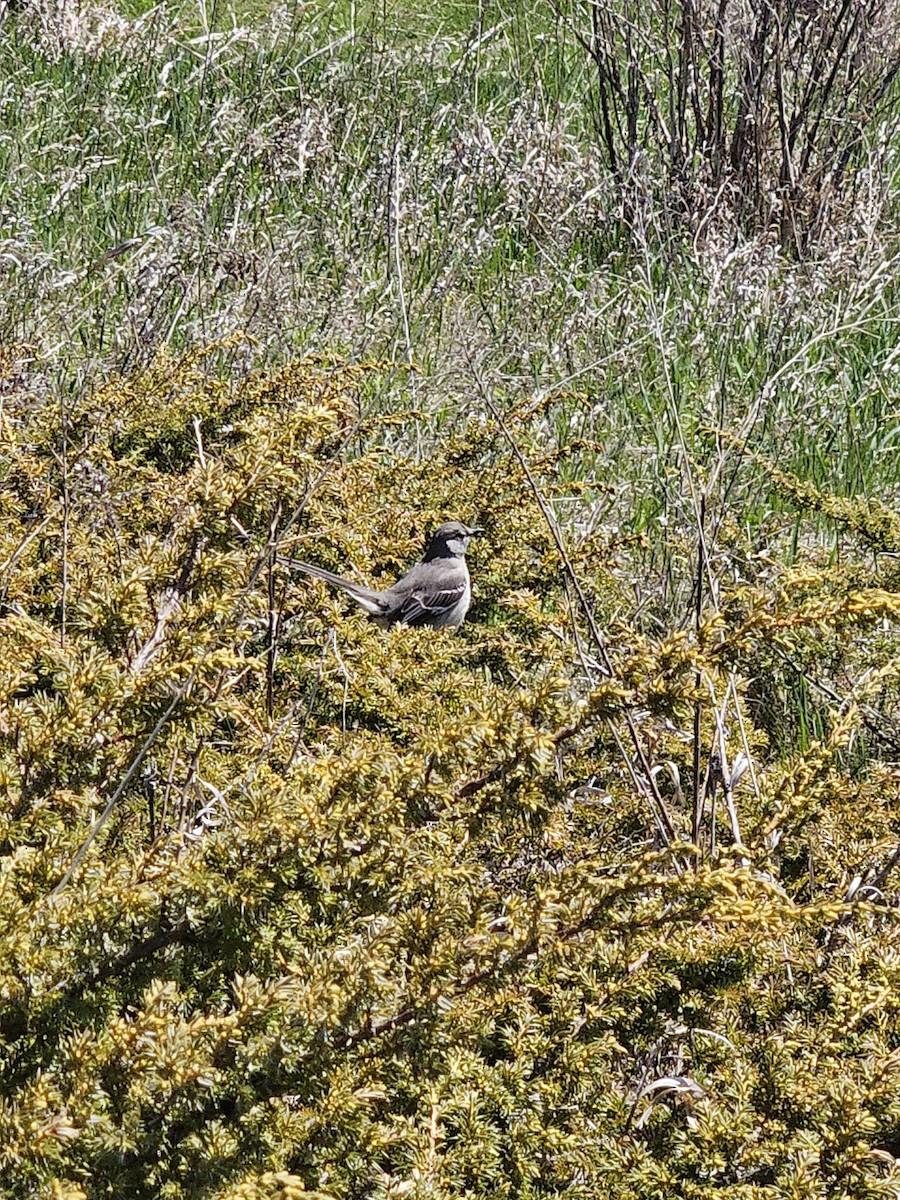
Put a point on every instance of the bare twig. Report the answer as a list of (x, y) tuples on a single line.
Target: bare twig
[(111, 803), (273, 615), (647, 781)]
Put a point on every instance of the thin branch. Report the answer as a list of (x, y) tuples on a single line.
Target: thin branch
[(648, 781), (111, 803), (273, 621)]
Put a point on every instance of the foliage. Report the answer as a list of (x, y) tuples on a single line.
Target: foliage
[(292, 905), (598, 896)]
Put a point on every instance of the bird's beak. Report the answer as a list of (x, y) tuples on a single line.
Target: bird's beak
[(474, 530)]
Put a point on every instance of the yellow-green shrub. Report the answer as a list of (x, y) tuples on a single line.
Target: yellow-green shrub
[(387, 913)]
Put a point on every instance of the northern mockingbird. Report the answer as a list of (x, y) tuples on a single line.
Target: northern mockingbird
[(436, 592)]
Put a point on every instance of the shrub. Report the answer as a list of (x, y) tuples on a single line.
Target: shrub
[(290, 902), (763, 106)]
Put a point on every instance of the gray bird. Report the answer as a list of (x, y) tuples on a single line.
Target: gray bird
[(436, 592)]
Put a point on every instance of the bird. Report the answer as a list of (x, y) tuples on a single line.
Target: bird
[(435, 593)]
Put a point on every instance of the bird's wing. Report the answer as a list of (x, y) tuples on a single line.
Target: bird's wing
[(373, 602), (413, 601)]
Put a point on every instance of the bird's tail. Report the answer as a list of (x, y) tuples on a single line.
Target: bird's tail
[(365, 597)]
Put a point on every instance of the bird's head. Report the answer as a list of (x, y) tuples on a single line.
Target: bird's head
[(451, 540)]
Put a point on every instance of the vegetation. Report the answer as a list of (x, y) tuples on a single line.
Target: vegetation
[(596, 897)]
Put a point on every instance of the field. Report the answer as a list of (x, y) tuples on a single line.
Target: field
[(598, 896)]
